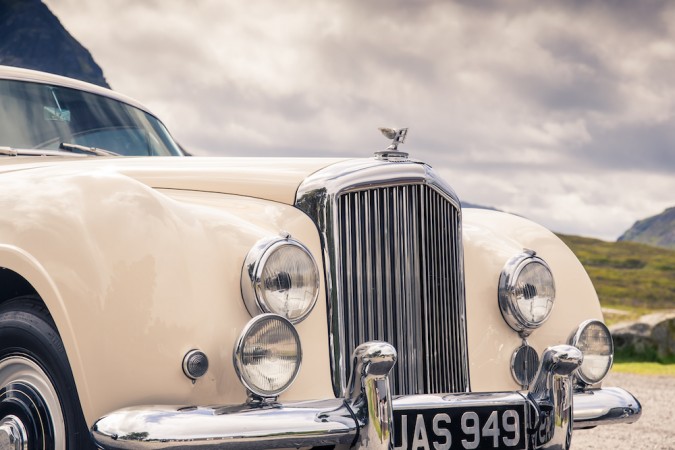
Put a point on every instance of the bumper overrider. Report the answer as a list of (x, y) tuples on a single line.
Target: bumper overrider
[(365, 417)]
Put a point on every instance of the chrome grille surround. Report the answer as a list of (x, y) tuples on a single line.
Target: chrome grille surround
[(409, 221)]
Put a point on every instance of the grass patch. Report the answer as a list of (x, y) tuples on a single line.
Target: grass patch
[(648, 356), (644, 364), (627, 275), (645, 368)]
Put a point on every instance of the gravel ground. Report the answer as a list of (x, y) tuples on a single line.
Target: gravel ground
[(654, 431)]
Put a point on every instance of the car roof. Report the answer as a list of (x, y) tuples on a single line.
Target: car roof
[(34, 76)]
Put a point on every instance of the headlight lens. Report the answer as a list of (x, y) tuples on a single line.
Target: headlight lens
[(595, 342), (281, 277), (526, 292), (267, 355)]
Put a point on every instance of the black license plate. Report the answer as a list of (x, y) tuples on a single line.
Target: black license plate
[(475, 427)]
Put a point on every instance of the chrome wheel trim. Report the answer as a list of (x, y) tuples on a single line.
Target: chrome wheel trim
[(13, 434), (20, 369)]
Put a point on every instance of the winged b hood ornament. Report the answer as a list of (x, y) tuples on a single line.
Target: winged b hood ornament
[(397, 137)]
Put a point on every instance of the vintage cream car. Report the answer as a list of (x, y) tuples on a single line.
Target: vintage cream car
[(160, 301)]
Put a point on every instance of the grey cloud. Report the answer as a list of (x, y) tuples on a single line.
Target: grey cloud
[(647, 147), (582, 93), (568, 48), (493, 92), (629, 16)]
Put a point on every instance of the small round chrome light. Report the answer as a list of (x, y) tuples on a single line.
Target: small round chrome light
[(595, 342), (281, 277), (195, 364), (267, 355), (526, 292)]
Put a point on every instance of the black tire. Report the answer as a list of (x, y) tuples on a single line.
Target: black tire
[(37, 389)]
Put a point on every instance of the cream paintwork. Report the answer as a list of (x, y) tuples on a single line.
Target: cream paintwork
[(135, 276), (490, 240), (275, 179)]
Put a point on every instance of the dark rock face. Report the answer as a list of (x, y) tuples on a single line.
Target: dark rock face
[(652, 335), (657, 230), (32, 37)]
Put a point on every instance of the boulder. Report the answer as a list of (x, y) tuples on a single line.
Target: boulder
[(651, 336)]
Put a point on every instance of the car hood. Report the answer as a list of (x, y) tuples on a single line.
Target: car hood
[(275, 179)]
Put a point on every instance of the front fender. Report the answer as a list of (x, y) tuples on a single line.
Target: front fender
[(491, 238), (137, 277)]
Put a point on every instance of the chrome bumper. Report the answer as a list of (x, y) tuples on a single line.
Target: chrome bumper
[(363, 419)]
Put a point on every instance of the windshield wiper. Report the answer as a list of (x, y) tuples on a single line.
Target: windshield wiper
[(9, 151), (83, 148)]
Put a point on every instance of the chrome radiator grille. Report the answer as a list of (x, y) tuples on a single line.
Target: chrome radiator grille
[(400, 279)]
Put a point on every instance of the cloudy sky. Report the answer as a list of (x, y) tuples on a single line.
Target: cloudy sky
[(563, 112)]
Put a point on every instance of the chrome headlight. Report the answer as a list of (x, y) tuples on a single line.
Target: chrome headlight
[(595, 342), (526, 292), (281, 277), (267, 355)]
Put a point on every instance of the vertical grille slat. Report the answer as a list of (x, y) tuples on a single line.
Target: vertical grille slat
[(377, 263), (448, 304), (451, 261), (403, 283)]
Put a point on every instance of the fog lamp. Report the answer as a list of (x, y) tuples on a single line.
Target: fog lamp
[(526, 292), (280, 276), (267, 355), (595, 342)]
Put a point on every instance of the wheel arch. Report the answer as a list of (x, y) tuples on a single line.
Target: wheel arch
[(22, 274), (490, 239)]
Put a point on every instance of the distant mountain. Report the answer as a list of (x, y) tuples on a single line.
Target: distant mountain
[(657, 230), (32, 37)]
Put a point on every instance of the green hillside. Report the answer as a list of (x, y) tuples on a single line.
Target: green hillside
[(628, 276)]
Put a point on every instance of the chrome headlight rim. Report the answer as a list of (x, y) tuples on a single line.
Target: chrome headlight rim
[(507, 282), (238, 360), (251, 276), (574, 340)]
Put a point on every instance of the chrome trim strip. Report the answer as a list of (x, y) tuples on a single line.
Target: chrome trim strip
[(606, 406), (364, 418), (463, 400), (248, 426), (318, 196)]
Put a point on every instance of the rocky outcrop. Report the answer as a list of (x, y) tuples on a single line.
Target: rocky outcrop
[(651, 337), (33, 38)]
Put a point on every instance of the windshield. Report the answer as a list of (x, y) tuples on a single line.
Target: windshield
[(41, 116)]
